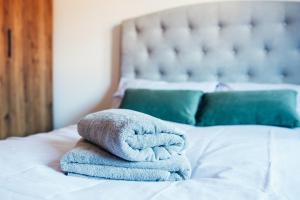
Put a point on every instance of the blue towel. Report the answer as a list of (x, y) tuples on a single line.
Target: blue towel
[(132, 135), (89, 160)]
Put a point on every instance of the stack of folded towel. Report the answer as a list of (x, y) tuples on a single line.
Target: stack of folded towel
[(127, 145)]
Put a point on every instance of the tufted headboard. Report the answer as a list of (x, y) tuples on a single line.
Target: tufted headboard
[(225, 41)]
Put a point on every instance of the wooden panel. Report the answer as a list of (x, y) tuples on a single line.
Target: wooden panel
[(15, 72), (4, 117), (29, 73)]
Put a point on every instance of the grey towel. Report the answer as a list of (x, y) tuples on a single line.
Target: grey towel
[(88, 160), (132, 135)]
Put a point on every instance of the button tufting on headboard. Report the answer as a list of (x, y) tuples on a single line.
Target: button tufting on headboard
[(176, 50), (163, 27), (137, 29), (250, 73), (219, 74), (284, 73), (252, 23), (267, 48), (287, 21), (204, 50), (191, 26), (221, 25), (189, 73), (235, 50), (136, 72), (162, 72), (149, 51), (227, 41)]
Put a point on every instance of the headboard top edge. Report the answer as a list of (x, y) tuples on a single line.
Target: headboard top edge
[(221, 41)]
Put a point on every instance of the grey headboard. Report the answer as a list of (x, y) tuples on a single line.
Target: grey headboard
[(226, 41)]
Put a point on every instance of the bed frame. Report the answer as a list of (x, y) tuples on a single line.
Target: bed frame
[(226, 41)]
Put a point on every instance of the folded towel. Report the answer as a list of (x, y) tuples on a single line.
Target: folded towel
[(88, 160), (132, 135)]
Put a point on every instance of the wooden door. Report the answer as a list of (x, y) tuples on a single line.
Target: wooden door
[(29, 68), (4, 120)]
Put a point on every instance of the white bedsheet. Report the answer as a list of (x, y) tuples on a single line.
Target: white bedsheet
[(234, 162)]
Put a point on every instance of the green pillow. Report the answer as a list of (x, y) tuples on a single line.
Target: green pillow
[(171, 105), (273, 107)]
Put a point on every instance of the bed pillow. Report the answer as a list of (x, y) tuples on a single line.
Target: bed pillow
[(272, 107), (260, 86), (126, 83), (171, 105)]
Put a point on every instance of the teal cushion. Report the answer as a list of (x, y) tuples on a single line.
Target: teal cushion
[(273, 107), (171, 105)]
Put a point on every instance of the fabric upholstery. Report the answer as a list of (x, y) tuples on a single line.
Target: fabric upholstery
[(225, 41), (171, 105), (270, 107)]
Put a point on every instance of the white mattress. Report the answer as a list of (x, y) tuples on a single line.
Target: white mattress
[(234, 162)]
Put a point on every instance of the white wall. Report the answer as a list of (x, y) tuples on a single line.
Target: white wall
[(85, 35), (86, 45)]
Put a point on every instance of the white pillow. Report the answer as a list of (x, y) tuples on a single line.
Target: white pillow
[(159, 85), (259, 86)]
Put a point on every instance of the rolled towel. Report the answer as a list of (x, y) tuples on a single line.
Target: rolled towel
[(132, 135), (88, 160)]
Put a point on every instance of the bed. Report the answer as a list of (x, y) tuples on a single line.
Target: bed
[(232, 42)]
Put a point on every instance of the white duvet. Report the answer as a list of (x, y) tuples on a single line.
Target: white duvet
[(233, 162)]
